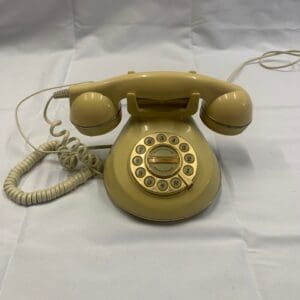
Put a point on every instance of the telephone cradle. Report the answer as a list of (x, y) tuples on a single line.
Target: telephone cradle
[(160, 167)]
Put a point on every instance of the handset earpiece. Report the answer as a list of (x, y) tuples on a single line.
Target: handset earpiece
[(229, 113), (93, 113)]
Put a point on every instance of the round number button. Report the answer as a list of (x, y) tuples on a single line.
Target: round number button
[(140, 149), (176, 182), (184, 147), (161, 138), (162, 185), (140, 172), (137, 160), (188, 170), (174, 140), (149, 181), (189, 158), (149, 141)]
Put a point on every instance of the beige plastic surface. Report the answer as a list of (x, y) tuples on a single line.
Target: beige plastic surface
[(130, 196)]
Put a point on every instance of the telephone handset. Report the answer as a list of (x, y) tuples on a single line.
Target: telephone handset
[(95, 106), (160, 167)]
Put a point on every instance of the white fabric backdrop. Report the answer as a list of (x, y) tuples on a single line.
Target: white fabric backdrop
[(246, 246)]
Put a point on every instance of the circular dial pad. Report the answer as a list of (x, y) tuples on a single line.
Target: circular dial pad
[(163, 163)]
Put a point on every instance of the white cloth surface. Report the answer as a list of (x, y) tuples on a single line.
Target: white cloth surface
[(245, 246)]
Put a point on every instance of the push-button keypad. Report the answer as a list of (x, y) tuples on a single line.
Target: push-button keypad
[(163, 163)]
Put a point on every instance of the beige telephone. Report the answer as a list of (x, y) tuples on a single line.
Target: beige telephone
[(161, 167)]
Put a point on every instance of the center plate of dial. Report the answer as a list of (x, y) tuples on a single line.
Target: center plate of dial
[(163, 163)]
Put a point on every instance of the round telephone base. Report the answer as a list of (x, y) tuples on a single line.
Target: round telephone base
[(126, 192)]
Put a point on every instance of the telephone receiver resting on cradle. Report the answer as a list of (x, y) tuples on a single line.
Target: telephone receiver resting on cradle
[(160, 167)]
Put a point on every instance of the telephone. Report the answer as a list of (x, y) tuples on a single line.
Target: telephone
[(160, 167)]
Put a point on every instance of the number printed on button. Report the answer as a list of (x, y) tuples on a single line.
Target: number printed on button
[(188, 170), (176, 182), (174, 140), (137, 160), (161, 138), (140, 149), (149, 141), (189, 158), (162, 185), (149, 181), (184, 147), (140, 172)]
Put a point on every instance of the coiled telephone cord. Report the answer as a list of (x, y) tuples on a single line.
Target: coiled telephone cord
[(45, 195), (70, 150)]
